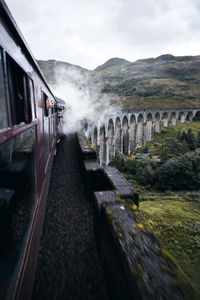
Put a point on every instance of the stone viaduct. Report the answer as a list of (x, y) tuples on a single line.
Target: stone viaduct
[(125, 130)]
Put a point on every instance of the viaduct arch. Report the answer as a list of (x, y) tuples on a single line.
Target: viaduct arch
[(125, 130)]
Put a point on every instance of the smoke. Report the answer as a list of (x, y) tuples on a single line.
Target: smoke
[(83, 101)]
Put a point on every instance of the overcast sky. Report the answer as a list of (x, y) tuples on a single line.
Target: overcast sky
[(89, 32)]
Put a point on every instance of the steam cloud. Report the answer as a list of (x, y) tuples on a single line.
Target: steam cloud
[(82, 101)]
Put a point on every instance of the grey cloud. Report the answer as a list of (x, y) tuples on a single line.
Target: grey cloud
[(91, 31), (147, 22)]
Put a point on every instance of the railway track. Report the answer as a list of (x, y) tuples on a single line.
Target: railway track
[(68, 263)]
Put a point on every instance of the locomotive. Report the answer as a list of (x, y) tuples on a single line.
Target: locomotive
[(30, 126)]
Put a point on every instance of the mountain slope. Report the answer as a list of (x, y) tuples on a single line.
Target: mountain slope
[(165, 81), (54, 70)]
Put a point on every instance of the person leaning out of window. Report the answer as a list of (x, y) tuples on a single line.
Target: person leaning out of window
[(49, 103)]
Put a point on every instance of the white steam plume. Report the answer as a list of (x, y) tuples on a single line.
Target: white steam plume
[(81, 101)]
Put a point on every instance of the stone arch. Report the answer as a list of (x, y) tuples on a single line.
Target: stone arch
[(118, 134), (197, 116), (157, 123), (173, 119), (102, 145), (95, 138), (140, 130), (132, 132), (189, 116), (181, 117), (110, 144), (149, 127), (89, 137), (165, 119), (86, 126), (125, 136)]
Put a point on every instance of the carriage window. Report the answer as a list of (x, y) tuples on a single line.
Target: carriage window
[(18, 195), (32, 98), (20, 106), (44, 99), (3, 110)]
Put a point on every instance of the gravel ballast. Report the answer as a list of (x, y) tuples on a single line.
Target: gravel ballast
[(68, 264)]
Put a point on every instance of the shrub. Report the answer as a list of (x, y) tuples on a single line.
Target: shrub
[(181, 173), (146, 171), (118, 161)]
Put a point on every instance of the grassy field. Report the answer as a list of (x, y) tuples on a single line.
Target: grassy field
[(157, 102), (172, 131), (175, 220), (174, 215), (176, 223)]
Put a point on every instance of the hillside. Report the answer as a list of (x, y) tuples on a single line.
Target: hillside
[(54, 70), (165, 81)]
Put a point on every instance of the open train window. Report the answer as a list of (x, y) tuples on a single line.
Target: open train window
[(44, 100), (3, 110), (18, 93)]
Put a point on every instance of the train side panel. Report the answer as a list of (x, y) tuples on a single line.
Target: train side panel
[(28, 136)]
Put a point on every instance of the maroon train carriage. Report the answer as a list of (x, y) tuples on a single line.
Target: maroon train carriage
[(29, 130)]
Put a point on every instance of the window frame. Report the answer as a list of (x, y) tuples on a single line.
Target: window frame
[(18, 87), (7, 110), (44, 105), (31, 94)]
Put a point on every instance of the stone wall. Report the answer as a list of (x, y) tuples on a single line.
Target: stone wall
[(135, 264)]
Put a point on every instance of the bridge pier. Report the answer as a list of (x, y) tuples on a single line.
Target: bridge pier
[(125, 136), (118, 134), (140, 131), (103, 148), (110, 141), (165, 119), (95, 139), (182, 117), (174, 119), (132, 133), (149, 128), (157, 123)]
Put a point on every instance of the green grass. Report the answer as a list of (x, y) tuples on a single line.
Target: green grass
[(175, 220), (176, 223), (135, 102), (172, 131), (156, 145), (174, 215)]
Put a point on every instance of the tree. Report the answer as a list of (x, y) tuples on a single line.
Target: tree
[(198, 139), (180, 173), (170, 148), (191, 140), (146, 172), (118, 161), (184, 147), (145, 149), (183, 136), (178, 135)]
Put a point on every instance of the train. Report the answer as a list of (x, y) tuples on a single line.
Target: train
[(30, 127)]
